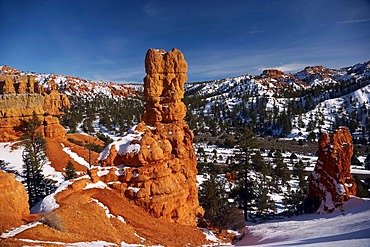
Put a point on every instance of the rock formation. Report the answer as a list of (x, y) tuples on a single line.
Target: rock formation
[(13, 202), (273, 73), (164, 86), (20, 97), (158, 155), (331, 181)]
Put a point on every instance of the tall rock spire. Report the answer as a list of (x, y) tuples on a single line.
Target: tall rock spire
[(164, 86), (158, 155)]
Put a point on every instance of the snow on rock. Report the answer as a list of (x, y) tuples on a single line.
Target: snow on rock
[(49, 203), (141, 238), (135, 189), (124, 145), (210, 235), (107, 211), (18, 230), (97, 185), (75, 156)]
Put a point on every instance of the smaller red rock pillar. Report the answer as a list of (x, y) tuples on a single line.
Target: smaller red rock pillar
[(331, 181)]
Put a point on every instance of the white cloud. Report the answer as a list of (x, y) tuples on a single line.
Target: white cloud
[(291, 67), (119, 76), (354, 21), (256, 31), (153, 8)]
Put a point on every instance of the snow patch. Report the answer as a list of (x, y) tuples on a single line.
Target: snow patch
[(135, 189), (141, 238), (97, 185), (107, 211), (18, 230), (334, 229), (210, 235), (75, 156)]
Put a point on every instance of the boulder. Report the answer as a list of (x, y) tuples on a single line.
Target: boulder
[(331, 181), (13, 202)]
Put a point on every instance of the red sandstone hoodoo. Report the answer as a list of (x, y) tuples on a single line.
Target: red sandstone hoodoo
[(331, 181), (158, 155)]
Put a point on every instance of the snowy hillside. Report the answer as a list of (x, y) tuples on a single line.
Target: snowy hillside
[(350, 228), (296, 105)]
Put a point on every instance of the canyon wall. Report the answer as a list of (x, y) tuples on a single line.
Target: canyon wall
[(20, 96)]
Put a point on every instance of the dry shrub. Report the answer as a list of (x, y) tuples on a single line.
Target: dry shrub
[(52, 220)]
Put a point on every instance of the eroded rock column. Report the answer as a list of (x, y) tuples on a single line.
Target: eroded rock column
[(331, 182), (158, 155), (164, 86)]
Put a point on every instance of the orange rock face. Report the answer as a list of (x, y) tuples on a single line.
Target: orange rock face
[(164, 86), (13, 202), (331, 181), (158, 155), (84, 211), (21, 96)]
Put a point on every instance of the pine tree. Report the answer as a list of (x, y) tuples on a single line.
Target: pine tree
[(34, 158), (281, 170), (245, 191), (293, 201), (70, 172), (212, 197), (262, 200)]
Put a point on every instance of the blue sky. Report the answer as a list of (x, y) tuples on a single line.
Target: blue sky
[(107, 39)]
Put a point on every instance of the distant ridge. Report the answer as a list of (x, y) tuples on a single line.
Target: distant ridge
[(74, 86)]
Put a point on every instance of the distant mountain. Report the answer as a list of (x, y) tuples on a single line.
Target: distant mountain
[(276, 81), (298, 105), (75, 86)]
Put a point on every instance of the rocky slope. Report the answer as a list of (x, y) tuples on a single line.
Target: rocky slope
[(82, 212), (13, 202)]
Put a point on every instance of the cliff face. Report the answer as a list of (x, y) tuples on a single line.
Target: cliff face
[(331, 181), (20, 97), (158, 155)]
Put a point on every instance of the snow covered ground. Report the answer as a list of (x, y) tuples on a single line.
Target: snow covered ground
[(13, 161), (352, 228)]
